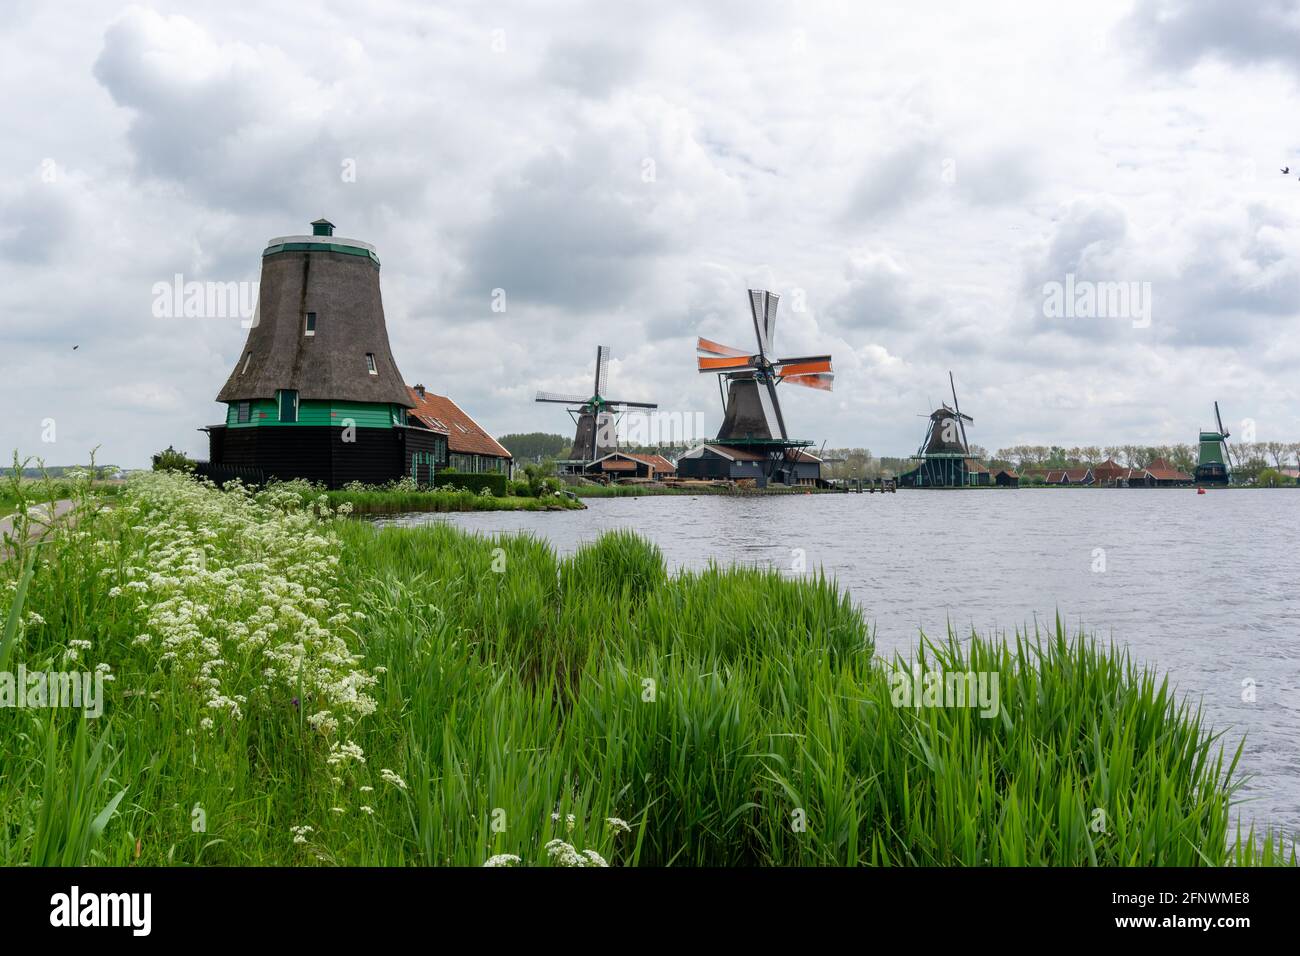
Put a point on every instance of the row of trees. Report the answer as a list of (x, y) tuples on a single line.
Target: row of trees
[(536, 446), (1251, 461), (1247, 457)]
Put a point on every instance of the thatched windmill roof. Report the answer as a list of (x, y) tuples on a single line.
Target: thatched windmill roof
[(345, 355), (945, 433)]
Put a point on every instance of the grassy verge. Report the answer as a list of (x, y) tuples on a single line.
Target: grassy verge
[(371, 500), (397, 502), (289, 688)]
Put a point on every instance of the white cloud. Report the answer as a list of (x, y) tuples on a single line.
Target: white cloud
[(918, 177)]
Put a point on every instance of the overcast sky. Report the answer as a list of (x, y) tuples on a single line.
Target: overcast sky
[(912, 173)]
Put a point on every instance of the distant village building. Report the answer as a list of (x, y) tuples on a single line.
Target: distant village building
[(1069, 476), (1006, 478), (620, 465), (1109, 473), (1158, 474)]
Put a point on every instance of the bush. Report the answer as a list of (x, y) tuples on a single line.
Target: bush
[(472, 482), (172, 460)]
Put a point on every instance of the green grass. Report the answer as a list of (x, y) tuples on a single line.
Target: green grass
[(387, 501), (396, 502), (730, 716)]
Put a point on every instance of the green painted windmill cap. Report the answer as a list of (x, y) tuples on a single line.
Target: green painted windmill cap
[(322, 239)]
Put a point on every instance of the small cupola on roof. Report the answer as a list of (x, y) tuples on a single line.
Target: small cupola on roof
[(322, 227)]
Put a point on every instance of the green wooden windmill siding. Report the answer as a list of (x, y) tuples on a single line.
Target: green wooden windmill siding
[(266, 412)]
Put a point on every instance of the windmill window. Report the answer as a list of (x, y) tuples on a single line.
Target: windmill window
[(244, 412), (309, 324), (370, 363), (248, 358), (288, 405)]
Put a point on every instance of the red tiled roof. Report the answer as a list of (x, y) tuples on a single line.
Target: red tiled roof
[(1107, 470), (657, 462), (1161, 470), (1006, 471), (463, 433)]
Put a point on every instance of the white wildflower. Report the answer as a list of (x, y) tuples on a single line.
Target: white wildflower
[(502, 859)]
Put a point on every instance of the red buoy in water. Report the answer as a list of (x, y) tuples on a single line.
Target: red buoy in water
[(1200, 491)]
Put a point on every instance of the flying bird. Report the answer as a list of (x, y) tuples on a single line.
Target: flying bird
[(1286, 170), (75, 347)]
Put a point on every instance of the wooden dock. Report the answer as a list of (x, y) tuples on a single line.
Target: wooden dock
[(860, 486)]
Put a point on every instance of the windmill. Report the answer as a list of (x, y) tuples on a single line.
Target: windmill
[(596, 415), (944, 455), (748, 381), (1214, 458)]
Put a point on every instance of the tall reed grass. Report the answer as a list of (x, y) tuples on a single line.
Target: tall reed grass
[(730, 716)]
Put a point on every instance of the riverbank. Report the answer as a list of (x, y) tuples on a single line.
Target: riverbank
[(289, 688), (387, 500)]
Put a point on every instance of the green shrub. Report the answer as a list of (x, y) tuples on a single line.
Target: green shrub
[(472, 482), (169, 459)]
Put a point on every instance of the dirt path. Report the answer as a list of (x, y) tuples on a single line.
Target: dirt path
[(42, 519)]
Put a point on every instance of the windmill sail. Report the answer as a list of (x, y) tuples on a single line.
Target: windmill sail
[(751, 408), (596, 415)]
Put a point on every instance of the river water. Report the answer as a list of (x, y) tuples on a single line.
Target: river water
[(1203, 587)]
